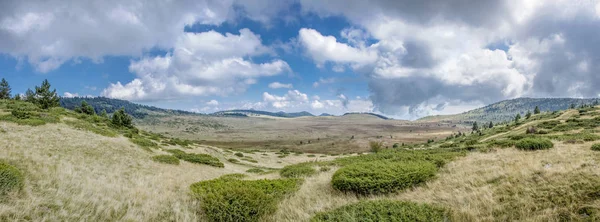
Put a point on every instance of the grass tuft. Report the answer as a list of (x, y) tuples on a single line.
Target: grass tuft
[(11, 179)]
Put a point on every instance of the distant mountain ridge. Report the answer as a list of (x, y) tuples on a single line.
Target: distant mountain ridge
[(367, 113), (506, 110), (251, 112)]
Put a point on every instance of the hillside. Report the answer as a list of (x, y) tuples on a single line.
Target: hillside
[(368, 114), (506, 110), (111, 105), (78, 167)]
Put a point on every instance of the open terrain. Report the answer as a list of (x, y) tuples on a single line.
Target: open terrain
[(80, 167)]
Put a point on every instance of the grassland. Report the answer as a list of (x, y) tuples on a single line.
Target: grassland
[(90, 171)]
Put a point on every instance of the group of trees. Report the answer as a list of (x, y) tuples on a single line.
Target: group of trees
[(42, 96), (45, 98)]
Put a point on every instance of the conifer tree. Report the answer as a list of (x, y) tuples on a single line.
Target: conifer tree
[(4, 89), (45, 98), (536, 110)]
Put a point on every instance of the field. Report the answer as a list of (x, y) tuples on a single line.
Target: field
[(78, 167), (331, 135)]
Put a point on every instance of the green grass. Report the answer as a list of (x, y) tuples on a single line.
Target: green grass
[(384, 210), (233, 160), (297, 170), (100, 129), (196, 158), (11, 179), (231, 199), (534, 144), (381, 177), (596, 147), (143, 142), (168, 159)]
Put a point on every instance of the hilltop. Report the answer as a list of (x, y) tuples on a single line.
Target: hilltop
[(506, 110), (111, 105)]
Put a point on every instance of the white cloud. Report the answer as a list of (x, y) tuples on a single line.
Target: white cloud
[(201, 64), (212, 103), (278, 85), (324, 81), (327, 49), (70, 95)]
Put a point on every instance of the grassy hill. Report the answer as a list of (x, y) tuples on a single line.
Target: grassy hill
[(507, 109), (78, 167)]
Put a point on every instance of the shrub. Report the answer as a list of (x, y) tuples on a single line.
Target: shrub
[(471, 142), (383, 210), (11, 179), (143, 142), (375, 146), (380, 177), (596, 147), (501, 143), (197, 158), (396, 145), (232, 160), (534, 144), (324, 169), (255, 170), (231, 199), (310, 155), (168, 159), (239, 154), (297, 170), (121, 119)]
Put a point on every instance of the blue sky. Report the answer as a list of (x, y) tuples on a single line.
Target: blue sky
[(404, 59)]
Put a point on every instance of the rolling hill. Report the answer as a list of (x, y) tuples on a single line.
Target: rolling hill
[(507, 109), (111, 105)]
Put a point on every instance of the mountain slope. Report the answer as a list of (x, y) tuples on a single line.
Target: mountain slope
[(507, 109), (111, 105)]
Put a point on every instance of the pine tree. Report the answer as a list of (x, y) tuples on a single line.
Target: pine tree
[(30, 96), (536, 110), (45, 98), (122, 119), (572, 106), (491, 125), (4, 89), (517, 118), (104, 114), (17, 97), (85, 108), (528, 115), (475, 126)]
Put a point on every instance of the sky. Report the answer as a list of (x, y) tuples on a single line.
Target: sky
[(402, 58)]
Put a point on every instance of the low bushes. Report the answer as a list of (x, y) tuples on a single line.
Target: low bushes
[(239, 154), (168, 159), (383, 210), (596, 147), (11, 179), (297, 170), (231, 199), (197, 158), (255, 170), (534, 144), (380, 177), (143, 142)]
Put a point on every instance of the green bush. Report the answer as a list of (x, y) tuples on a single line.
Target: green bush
[(197, 158), (239, 154), (384, 210), (143, 142), (501, 143), (11, 179), (596, 147), (168, 159), (534, 144), (297, 170), (231, 199), (380, 177), (232, 160), (375, 146)]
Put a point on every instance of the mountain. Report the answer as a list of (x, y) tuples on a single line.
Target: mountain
[(372, 114), (245, 112), (507, 109), (112, 105), (326, 114)]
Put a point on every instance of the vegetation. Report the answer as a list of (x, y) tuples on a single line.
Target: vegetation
[(382, 177), (168, 159), (121, 119), (596, 147), (199, 158), (375, 146), (298, 170), (384, 210), (255, 170), (231, 199), (4, 89), (534, 144), (44, 97), (11, 179), (113, 105)]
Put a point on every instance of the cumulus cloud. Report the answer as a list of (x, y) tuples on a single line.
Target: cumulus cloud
[(423, 54), (212, 103), (207, 63), (70, 95), (278, 85)]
